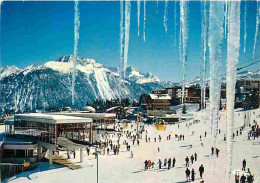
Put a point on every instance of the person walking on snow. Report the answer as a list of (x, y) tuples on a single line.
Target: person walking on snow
[(236, 178), (212, 150), (244, 165), (173, 162), (165, 162), (160, 163), (187, 161), (217, 152), (243, 179), (193, 175), (192, 159), (145, 165), (169, 163), (201, 170), (195, 155), (187, 172)]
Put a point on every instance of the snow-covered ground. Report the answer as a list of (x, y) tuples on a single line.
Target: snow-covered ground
[(122, 168)]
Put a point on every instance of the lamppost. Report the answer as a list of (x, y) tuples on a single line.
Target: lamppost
[(96, 154)]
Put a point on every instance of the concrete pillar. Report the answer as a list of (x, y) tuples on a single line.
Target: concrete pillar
[(50, 157), (81, 155)]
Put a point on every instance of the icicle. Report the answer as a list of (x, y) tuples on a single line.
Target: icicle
[(127, 31), (138, 15), (1, 5), (226, 17), (165, 17), (183, 40), (215, 35), (121, 39), (233, 45), (76, 38), (144, 19), (245, 33), (0, 33), (175, 25), (157, 3), (204, 37), (256, 26)]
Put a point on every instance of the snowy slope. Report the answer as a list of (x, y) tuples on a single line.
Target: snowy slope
[(121, 168)]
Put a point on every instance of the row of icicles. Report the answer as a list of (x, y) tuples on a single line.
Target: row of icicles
[(214, 16)]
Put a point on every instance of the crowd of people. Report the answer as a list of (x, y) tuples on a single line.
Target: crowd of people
[(168, 163)]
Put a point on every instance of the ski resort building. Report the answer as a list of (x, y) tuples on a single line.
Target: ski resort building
[(45, 131), (159, 102)]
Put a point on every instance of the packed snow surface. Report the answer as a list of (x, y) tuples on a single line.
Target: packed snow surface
[(118, 168)]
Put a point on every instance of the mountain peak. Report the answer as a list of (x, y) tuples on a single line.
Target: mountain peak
[(66, 58)]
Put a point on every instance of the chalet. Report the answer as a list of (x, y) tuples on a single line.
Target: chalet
[(158, 102)]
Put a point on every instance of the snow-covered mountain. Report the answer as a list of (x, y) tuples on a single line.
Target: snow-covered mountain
[(49, 85), (240, 75)]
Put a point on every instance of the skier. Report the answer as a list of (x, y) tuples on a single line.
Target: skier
[(201, 170), (205, 134), (187, 172), (160, 163), (154, 139), (193, 175), (187, 161), (195, 156), (200, 138), (158, 149), (192, 158), (107, 150), (243, 179), (244, 165)]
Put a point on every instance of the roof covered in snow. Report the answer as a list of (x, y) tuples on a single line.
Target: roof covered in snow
[(51, 118), (160, 96), (89, 115)]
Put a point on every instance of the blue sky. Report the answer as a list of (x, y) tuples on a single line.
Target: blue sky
[(36, 32)]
